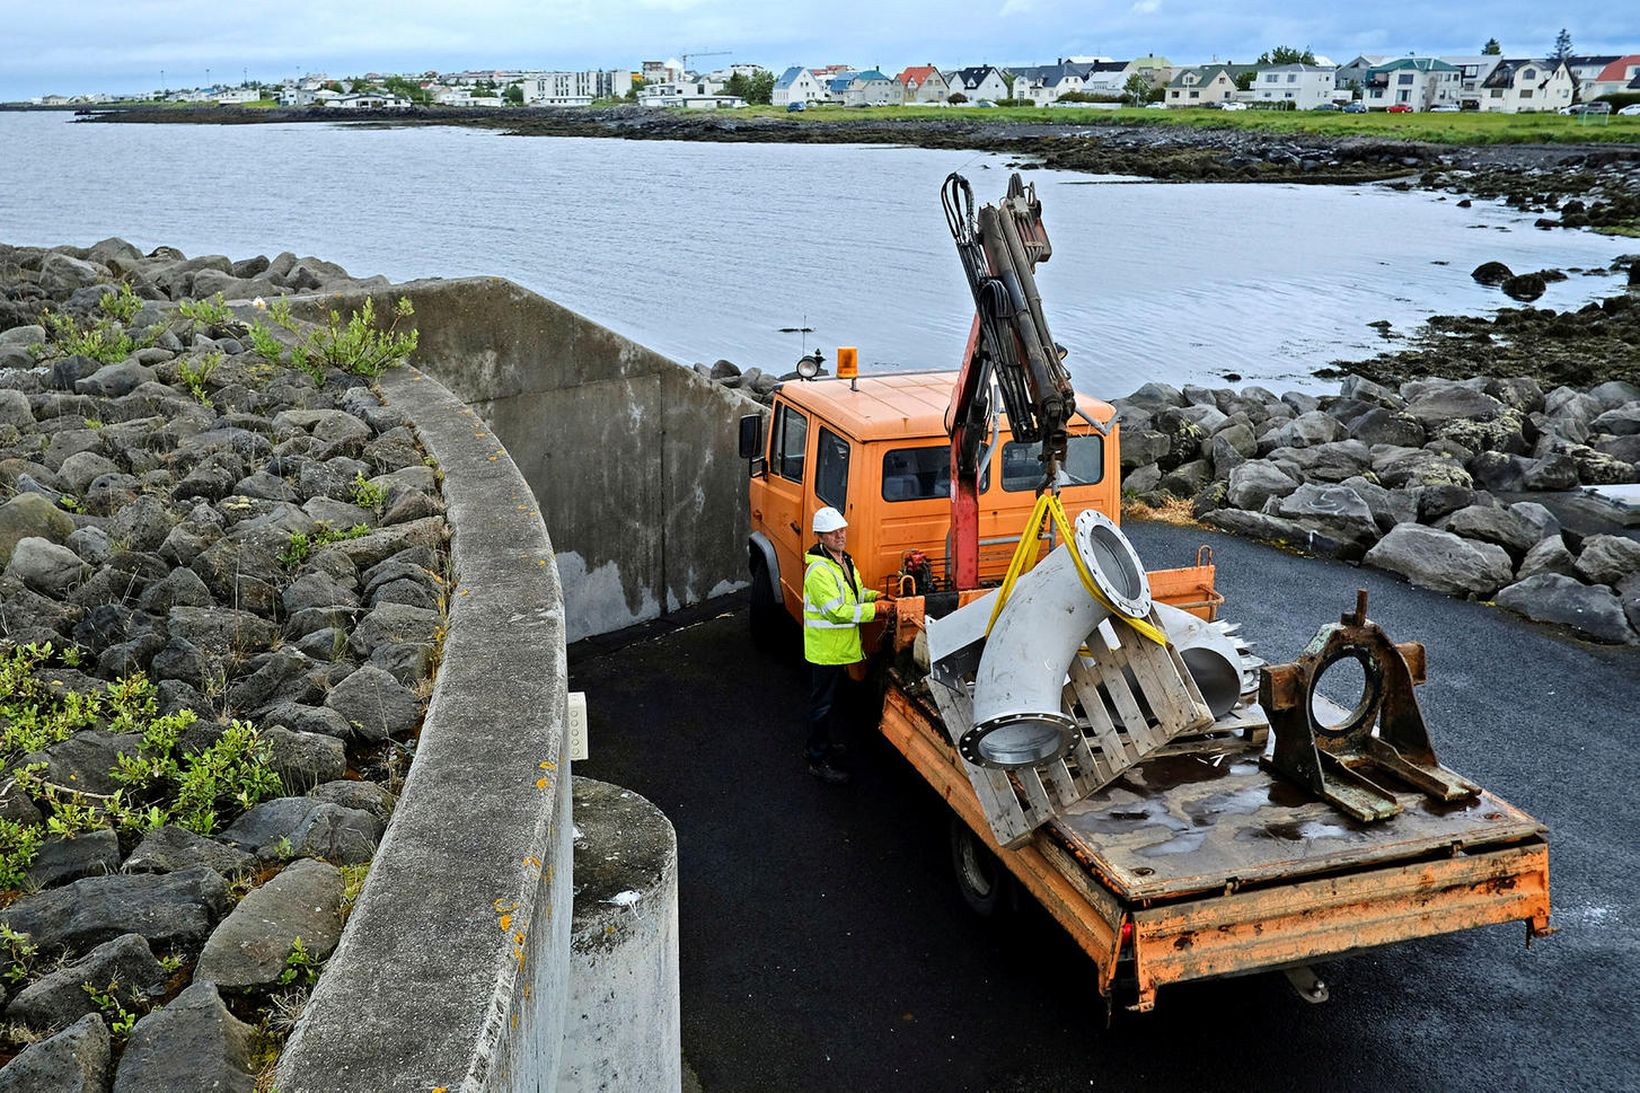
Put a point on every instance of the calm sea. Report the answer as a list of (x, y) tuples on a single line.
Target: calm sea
[(704, 250)]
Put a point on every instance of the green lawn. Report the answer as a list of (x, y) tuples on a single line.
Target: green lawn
[(1434, 128)]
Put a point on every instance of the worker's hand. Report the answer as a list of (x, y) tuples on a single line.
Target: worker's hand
[(885, 611)]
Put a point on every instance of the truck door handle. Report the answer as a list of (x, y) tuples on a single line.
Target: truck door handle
[(795, 529)]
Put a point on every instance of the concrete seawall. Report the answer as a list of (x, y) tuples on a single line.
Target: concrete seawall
[(453, 970), (631, 456)]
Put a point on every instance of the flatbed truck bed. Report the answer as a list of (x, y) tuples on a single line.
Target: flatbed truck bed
[(1201, 864)]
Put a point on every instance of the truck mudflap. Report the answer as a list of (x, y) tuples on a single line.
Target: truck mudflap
[(1311, 920)]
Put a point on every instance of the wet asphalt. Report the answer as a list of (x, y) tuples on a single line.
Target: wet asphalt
[(824, 944)]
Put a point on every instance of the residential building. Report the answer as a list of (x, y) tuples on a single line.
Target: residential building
[(1043, 84), (1621, 76), (365, 101), (979, 82), (837, 86), (1204, 85), (663, 71), (1587, 69), (464, 96), (233, 96), (1352, 75), (1157, 69), (1106, 78), (698, 94), (1418, 82), (923, 83), (872, 88), (574, 88), (1527, 85), (1303, 86), (1465, 92), (797, 85)]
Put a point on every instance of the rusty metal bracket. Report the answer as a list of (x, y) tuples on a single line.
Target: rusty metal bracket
[(1341, 762)]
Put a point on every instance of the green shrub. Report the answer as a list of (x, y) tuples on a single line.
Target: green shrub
[(367, 495), (210, 312), (122, 304), (101, 341), (359, 346), (264, 344), (196, 376)]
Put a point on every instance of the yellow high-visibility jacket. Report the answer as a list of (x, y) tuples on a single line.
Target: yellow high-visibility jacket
[(834, 606)]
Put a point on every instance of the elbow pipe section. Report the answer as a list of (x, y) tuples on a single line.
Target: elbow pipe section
[(1019, 716), (1209, 655)]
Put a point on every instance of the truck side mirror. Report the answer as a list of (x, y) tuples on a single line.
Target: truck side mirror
[(751, 436), (751, 442)]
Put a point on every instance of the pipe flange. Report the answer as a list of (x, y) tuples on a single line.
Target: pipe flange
[(1017, 740), (1113, 563)]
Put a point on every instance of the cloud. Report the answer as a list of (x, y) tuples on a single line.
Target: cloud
[(1146, 7)]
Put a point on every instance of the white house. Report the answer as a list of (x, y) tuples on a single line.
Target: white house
[(463, 96), (1526, 86), (1352, 75), (837, 86), (1587, 69), (1202, 85), (1465, 92), (662, 71), (923, 83), (690, 95), (1621, 76), (365, 101), (1418, 82), (872, 88), (234, 96), (1107, 78), (797, 85), (979, 82), (1043, 84), (1303, 86)]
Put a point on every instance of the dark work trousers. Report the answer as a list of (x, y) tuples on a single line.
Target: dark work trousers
[(825, 690)]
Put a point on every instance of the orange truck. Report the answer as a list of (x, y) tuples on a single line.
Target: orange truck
[(1225, 850)]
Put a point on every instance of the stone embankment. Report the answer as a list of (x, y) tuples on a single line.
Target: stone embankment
[(238, 566), (1442, 481)]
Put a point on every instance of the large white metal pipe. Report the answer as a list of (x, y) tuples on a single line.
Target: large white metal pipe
[(1211, 657), (1019, 716)]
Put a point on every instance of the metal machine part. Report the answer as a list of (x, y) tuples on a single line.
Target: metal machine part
[(1018, 717), (1338, 761)]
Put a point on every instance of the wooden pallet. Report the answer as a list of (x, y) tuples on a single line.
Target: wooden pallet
[(1119, 721)]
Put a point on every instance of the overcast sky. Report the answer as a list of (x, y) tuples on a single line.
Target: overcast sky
[(122, 45)]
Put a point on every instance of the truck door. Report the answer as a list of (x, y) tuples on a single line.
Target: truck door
[(784, 514)]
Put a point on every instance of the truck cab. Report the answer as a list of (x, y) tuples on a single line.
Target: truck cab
[(877, 449)]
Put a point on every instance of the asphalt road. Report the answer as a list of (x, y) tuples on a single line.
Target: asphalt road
[(824, 944)]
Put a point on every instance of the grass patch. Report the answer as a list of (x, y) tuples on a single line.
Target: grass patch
[(1462, 128)]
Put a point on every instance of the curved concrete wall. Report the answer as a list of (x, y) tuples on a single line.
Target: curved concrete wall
[(632, 456), (453, 970)]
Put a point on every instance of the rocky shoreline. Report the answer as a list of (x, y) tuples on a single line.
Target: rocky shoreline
[(1446, 482), (222, 575)]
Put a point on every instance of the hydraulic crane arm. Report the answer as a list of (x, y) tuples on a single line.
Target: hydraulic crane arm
[(1009, 343)]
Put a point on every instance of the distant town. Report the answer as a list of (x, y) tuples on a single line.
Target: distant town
[(1282, 79)]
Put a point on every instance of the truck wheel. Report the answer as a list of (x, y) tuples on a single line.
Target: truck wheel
[(986, 886), (765, 610)]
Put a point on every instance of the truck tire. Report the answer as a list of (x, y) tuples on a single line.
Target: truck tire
[(765, 613), (986, 886)]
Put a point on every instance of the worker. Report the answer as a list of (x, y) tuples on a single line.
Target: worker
[(834, 607)]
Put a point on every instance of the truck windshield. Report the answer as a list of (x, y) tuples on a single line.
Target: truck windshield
[(1022, 466), (920, 474)]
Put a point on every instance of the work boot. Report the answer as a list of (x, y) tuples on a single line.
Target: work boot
[(827, 773)]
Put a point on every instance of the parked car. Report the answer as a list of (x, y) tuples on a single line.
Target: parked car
[(796, 107), (1232, 106), (1629, 111), (1355, 108), (1155, 106), (1444, 108), (985, 102), (1400, 108), (1325, 106)]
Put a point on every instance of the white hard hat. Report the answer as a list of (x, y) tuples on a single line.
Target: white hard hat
[(828, 519)]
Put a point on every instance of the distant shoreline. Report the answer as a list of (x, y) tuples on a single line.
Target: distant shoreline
[(1074, 140)]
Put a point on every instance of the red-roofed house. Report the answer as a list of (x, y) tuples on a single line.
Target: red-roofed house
[(1621, 75), (923, 83)]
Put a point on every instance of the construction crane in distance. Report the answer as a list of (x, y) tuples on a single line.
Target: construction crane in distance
[(684, 57)]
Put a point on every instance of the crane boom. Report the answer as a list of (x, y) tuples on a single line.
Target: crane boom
[(1009, 343)]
